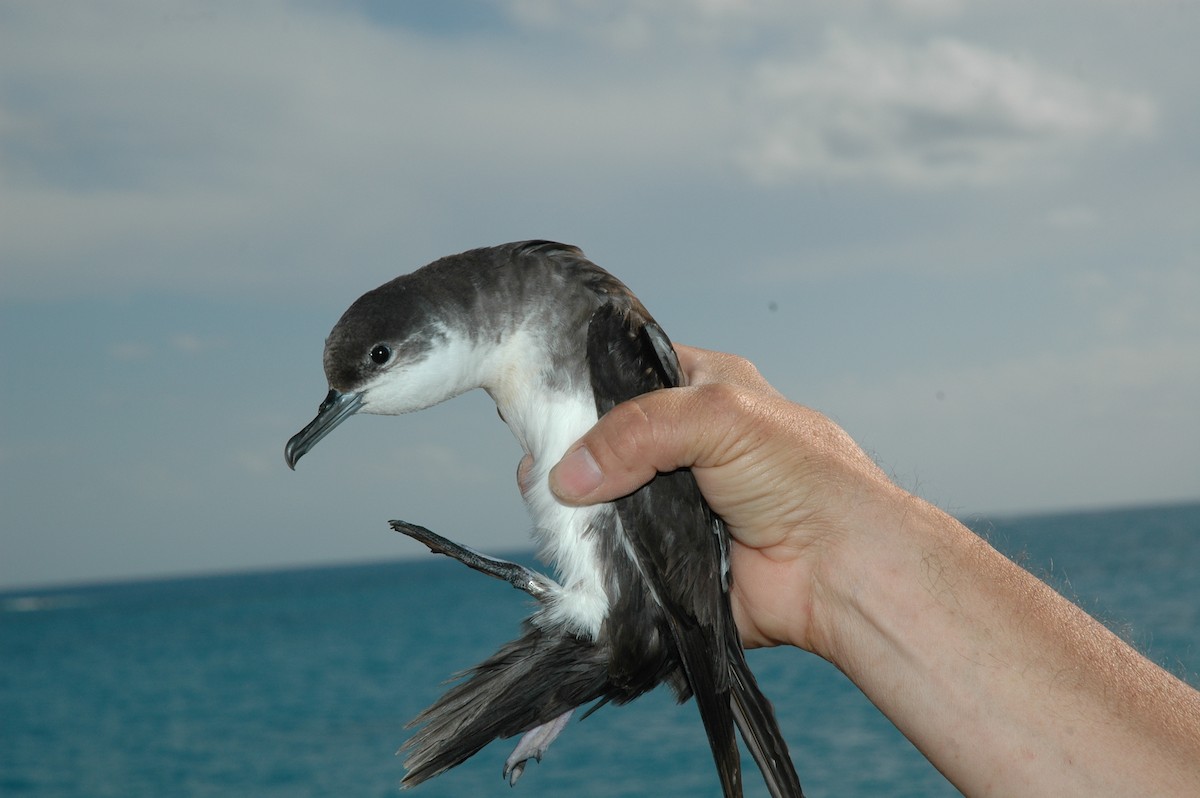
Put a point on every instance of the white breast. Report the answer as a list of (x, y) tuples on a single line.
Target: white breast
[(546, 424), (561, 531)]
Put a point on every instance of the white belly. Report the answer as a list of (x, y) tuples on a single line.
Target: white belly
[(546, 429)]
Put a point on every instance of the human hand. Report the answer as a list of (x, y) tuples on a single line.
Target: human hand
[(791, 485), (1003, 684)]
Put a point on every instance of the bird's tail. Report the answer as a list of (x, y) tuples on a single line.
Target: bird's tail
[(528, 682), (756, 721)]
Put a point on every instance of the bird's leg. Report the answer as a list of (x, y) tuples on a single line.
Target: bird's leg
[(539, 586), (532, 745)]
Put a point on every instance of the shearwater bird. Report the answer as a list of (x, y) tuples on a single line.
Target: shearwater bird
[(642, 589)]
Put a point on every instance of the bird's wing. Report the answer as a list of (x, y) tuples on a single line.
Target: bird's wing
[(628, 355), (679, 547), (682, 551)]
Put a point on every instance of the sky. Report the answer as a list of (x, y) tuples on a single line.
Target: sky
[(968, 232)]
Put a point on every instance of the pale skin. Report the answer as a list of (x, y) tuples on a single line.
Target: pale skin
[(1004, 685)]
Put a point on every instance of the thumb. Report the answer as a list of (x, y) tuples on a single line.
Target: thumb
[(656, 432)]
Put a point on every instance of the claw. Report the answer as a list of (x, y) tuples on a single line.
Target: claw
[(533, 745)]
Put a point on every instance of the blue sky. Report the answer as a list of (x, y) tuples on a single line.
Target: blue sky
[(968, 232)]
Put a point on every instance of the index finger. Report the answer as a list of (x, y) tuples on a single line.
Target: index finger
[(704, 366)]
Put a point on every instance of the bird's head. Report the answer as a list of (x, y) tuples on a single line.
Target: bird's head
[(501, 318), (395, 350)]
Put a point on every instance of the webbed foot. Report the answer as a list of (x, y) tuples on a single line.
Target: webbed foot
[(532, 745)]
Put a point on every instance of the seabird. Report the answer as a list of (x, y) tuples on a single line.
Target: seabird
[(642, 589)]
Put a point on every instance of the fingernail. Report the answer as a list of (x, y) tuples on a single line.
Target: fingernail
[(576, 475)]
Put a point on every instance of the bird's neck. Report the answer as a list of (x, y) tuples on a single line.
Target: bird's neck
[(546, 409)]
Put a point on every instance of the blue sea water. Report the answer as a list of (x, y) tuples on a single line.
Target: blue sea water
[(299, 683)]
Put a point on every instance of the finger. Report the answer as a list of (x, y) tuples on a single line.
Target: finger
[(523, 473), (659, 431), (704, 366)]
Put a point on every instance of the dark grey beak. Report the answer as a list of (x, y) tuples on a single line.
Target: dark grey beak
[(336, 408)]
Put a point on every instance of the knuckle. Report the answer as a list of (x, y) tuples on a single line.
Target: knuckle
[(739, 418), (626, 431), (738, 370), (724, 399)]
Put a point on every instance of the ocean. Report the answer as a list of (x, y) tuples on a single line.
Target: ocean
[(299, 683)]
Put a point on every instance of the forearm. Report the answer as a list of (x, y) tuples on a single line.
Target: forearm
[(1008, 688)]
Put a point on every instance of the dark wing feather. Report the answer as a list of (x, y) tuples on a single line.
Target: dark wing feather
[(682, 551)]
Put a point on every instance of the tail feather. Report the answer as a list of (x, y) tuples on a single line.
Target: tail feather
[(756, 721), (712, 699), (529, 681)]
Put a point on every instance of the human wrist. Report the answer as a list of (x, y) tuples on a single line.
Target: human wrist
[(869, 573)]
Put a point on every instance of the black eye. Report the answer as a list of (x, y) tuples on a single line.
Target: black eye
[(381, 354)]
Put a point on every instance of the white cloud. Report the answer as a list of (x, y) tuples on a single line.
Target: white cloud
[(184, 343), (192, 344), (927, 8), (1073, 217), (1038, 430), (297, 153), (438, 464), (129, 351), (315, 143), (658, 24), (217, 151), (255, 463), (637, 24), (1138, 303), (945, 113)]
